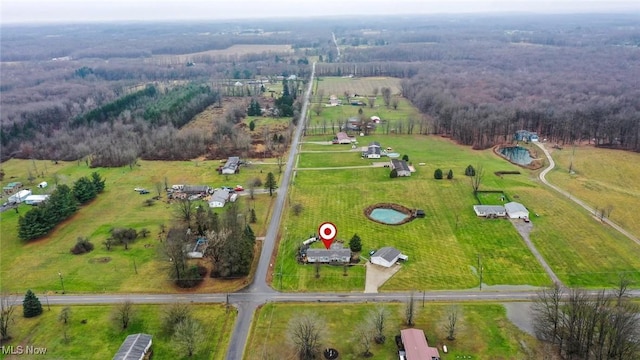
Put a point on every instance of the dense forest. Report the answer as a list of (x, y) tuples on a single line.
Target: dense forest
[(117, 92)]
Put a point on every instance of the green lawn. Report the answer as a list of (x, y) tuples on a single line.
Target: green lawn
[(443, 248), (603, 178), (100, 338), (484, 333), (140, 269)]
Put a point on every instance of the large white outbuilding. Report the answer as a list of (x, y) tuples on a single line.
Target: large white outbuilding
[(516, 210)]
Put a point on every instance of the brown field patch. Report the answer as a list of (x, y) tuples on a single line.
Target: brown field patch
[(234, 50)]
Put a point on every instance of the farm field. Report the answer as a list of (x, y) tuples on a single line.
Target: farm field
[(142, 268), (443, 248), (355, 85), (603, 178), (100, 338), (233, 51), (484, 332)]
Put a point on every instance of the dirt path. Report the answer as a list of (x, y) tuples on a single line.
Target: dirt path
[(524, 228), (543, 178)]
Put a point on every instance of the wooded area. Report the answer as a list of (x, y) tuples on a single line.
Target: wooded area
[(72, 91)]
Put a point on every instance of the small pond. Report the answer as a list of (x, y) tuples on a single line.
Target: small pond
[(389, 214), (517, 154)]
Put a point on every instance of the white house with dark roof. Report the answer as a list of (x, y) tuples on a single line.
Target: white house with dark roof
[(387, 256), (490, 210), (332, 255), (516, 210), (134, 347), (401, 167)]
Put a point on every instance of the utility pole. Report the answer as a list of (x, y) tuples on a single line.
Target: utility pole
[(61, 281), (423, 295), (280, 275)]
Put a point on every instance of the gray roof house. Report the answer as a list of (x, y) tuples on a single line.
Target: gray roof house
[(329, 256), (195, 189), (219, 198), (490, 210), (387, 256), (401, 166), (231, 166), (134, 347)]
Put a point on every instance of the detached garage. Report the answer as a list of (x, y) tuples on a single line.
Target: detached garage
[(516, 210), (387, 256)]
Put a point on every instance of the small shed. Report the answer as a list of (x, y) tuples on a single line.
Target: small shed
[(516, 210), (134, 347), (43, 185), (387, 256)]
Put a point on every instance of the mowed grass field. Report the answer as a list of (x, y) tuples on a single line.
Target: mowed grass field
[(142, 268), (603, 178), (484, 332), (100, 337), (361, 86), (443, 248), (232, 51)]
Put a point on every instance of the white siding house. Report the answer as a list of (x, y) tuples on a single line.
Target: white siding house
[(35, 199), (219, 198), (401, 167), (490, 210), (516, 210)]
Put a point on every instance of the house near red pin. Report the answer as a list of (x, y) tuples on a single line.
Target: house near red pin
[(416, 346)]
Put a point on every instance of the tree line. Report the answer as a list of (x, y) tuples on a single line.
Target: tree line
[(581, 325), (62, 203)]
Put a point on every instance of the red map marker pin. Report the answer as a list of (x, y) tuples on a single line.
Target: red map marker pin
[(327, 232)]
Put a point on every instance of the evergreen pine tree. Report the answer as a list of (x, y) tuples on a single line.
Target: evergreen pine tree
[(450, 174), (31, 306), (437, 174), (270, 183), (84, 190), (98, 182), (355, 244)]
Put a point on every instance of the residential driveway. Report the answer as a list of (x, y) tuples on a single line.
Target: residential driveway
[(378, 275), (524, 228)]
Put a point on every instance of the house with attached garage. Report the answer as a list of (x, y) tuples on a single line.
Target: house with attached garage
[(387, 256)]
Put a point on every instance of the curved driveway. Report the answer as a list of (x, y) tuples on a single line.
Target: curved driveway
[(543, 178)]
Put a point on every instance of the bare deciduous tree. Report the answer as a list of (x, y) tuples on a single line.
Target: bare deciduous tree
[(123, 314), (410, 311), (189, 336), (364, 333), (378, 318), (7, 308), (452, 322), (476, 178), (306, 333), (185, 210)]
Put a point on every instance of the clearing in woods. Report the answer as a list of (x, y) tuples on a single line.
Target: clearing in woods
[(233, 51), (355, 85)]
